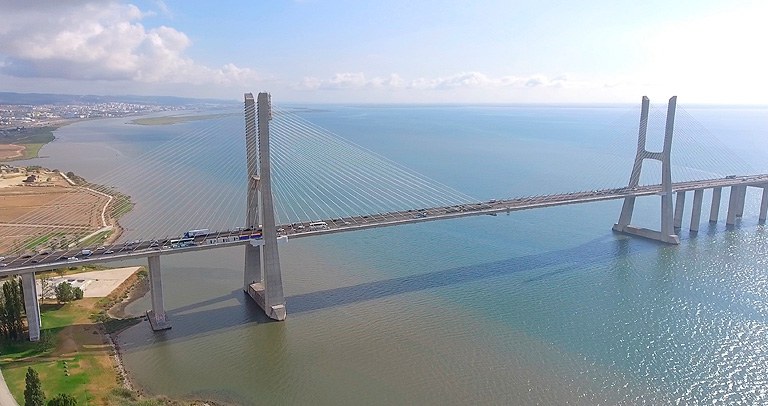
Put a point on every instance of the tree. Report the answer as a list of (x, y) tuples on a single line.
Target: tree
[(62, 399), (33, 391), (78, 293), (64, 292), (46, 286), (11, 323)]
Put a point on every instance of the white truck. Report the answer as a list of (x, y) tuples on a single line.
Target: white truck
[(86, 253), (195, 233)]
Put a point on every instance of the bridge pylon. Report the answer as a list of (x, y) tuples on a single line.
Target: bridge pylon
[(667, 232), (263, 280)]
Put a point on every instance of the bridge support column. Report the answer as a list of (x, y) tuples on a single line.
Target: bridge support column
[(679, 207), (733, 205), (157, 317), (764, 205), (31, 305), (714, 210), (698, 197), (263, 277), (667, 232), (736, 203), (742, 200)]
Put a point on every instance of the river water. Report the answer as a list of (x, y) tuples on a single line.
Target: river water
[(538, 307)]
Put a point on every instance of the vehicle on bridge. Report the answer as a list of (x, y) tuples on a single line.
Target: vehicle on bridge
[(318, 225), (196, 233), (182, 242)]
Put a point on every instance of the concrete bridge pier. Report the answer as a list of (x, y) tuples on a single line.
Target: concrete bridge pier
[(764, 205), (714, 210), (31, 305), (667, 232), (698, 197), (736, 204), (742, 200), (157, 317), (679, 208)]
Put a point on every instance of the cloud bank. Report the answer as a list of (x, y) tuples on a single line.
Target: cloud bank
[(351, 81), (99, 40)]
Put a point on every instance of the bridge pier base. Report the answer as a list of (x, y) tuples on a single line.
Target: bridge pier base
[(698, 197), (764, 205), (714, 210), (679, 208), (157, 317), (31, 305)]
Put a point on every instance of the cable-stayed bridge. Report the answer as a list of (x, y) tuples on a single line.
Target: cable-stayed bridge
[(309, 182)]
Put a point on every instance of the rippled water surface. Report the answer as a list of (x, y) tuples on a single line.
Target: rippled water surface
[(536, 307)]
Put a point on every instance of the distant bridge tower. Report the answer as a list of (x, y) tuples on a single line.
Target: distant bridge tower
[(667, 233), (263, 280)]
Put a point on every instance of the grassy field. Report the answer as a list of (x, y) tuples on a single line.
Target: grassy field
[(73, 357), (31, 138)]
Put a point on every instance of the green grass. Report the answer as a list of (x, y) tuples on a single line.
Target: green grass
[(16, 350), (52, 316), (32, 139), (37, 241), (96, 239), (31, 135), (31, 150)]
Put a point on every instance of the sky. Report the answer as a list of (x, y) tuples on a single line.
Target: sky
[(391, 51)]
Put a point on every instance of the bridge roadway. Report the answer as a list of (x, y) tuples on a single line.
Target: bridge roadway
[(140, 249)]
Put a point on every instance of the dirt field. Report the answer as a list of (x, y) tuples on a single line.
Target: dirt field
[(47, 213), (8, 151)]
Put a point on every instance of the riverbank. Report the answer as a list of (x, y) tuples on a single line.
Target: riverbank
[(26, 142), (79, 354)]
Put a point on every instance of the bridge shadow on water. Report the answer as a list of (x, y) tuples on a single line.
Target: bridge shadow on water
[(235, 309), (601, 250)]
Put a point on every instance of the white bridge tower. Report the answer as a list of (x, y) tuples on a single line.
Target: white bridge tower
[(667, 233), (263, 279)]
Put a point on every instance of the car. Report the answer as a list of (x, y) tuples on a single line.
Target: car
[(3, 264), (731, 177), (109, 252), (2, 258), (101, 248), (72, 259)]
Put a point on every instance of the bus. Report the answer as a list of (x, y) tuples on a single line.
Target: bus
[(319, 225)]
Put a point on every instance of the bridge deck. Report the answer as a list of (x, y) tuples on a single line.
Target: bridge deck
[(41, 262)]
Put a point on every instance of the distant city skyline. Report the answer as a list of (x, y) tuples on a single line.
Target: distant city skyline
[(705, 51)]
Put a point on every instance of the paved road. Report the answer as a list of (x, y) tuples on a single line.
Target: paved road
[(6, 399), (217, 239)]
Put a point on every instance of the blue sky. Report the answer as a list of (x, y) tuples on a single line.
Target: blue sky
[(704, 51)]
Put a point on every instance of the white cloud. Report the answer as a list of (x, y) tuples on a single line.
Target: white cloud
[(348, 80), (466, 80), (95, 40)]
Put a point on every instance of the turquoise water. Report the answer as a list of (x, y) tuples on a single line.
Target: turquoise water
[(537, 307)]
